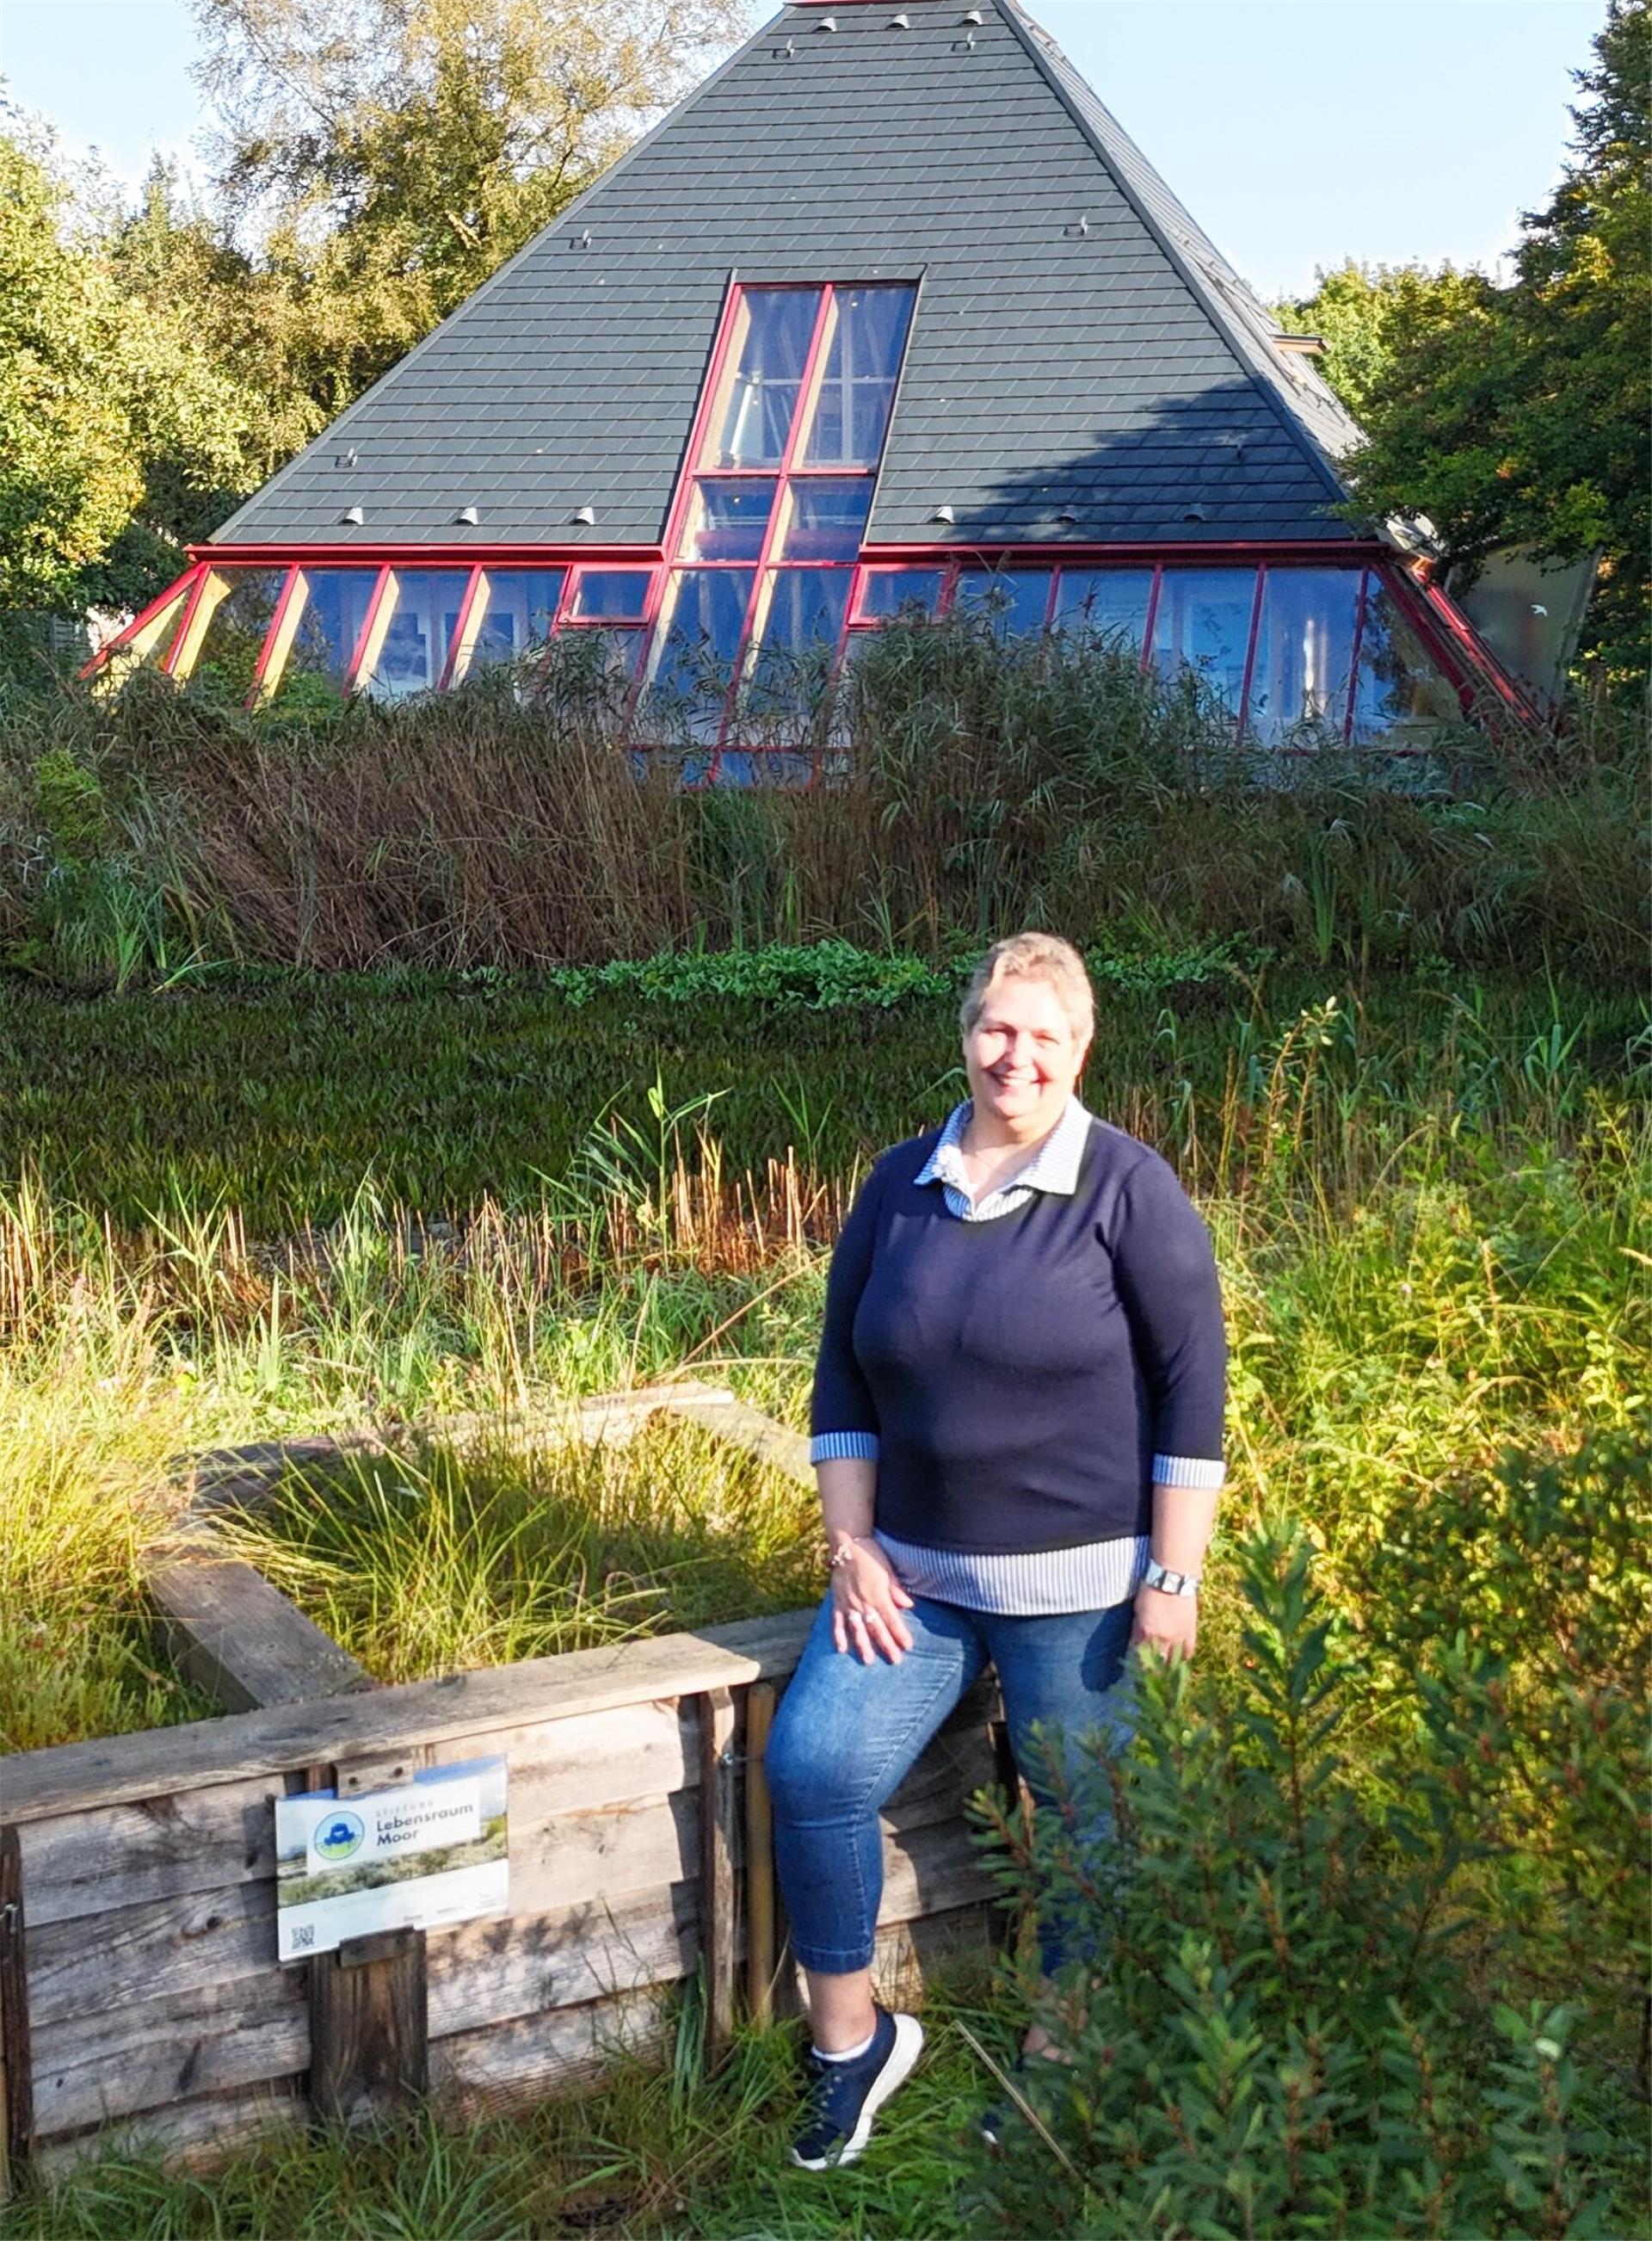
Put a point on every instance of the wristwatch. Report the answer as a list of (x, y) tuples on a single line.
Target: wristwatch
[(1168, 1582)]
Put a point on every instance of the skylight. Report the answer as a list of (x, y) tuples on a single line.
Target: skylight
[(768, 527)]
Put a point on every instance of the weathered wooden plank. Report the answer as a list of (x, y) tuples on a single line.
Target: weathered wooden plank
[(123, 1769), (146, 2054), (195, 2134), (785, 1451), (369, 2034), (760, 1947), (906, 1954), (161, 1947), (368, 2007), (717, 1886), (482, 2071), (490, 1972), (81, 1864), (16, 2141), (930, 1870), (606, 1854), (239, 1638)]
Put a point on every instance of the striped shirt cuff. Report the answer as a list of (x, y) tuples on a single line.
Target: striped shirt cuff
[(1196, 1471), (844, 1447)]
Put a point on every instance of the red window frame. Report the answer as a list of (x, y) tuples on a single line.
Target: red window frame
[(791, 469)]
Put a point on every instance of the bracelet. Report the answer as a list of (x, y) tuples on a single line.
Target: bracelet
[(844, 1554)]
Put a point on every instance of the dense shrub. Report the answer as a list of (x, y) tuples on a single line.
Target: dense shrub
[(1316, 2005), (987, 784)]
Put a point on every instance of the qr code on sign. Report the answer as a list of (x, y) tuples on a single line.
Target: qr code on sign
[(303, 1933)]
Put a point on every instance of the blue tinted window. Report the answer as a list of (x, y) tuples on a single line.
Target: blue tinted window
[(730, 518), (1106, 603), (517, 608), (1399, 694), (424, 606), (771, 343), (858, 384), (1299, 685), (825, 520), (885, 592), (1014, 599), (611, 594), (698, 641), (335, 608), (1202, 623)]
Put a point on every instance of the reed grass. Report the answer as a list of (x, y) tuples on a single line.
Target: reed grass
[(987, 783)]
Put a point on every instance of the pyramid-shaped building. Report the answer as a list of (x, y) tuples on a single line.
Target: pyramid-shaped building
[(888, 314)]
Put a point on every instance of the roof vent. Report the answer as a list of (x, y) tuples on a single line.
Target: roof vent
[(827, 24), (787, 53), (580, 240), (353, 515), (468, 515), (585, 516), (1196, 513), (943, 513), (966, 45), (900, 23), (1067, 515), (346, 459), (972, 15), (1079, 230)]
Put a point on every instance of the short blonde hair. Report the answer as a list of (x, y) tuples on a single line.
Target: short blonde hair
[(1033, 956)]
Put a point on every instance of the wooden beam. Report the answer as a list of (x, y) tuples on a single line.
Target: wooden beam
[(240, 1639), (785, 1451), (16, 2068), (717, 1925), (370, 2052), (760, 1954), (165, 1762)]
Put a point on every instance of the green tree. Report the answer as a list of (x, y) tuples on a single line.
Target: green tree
[(123, 430), (1518, 414), (69, 480), (380, 158)]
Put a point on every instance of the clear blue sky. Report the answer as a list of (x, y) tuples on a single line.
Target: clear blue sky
[(1297, 131)]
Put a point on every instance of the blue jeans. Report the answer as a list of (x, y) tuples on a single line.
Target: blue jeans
[(846, 1733)]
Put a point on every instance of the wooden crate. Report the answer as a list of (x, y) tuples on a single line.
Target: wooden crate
[(139, 1989)]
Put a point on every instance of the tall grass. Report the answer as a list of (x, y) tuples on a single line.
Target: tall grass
[(1410, 1294), (987, 783)]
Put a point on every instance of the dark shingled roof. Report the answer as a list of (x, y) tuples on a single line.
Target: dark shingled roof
[(1079, 344)]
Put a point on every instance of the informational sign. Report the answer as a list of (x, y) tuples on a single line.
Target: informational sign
[(432, 1851)]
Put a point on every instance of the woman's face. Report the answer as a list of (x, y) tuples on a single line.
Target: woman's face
[(1023, 1057)]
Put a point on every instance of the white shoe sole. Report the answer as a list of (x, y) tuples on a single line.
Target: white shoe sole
[(909, 2045)]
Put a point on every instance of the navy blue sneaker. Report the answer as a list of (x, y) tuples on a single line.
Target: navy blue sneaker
[(845, 2097)]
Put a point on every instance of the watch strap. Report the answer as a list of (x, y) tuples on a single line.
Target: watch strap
[(1168, 1582)]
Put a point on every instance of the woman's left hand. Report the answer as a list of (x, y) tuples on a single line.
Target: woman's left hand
[(1166, 1625)]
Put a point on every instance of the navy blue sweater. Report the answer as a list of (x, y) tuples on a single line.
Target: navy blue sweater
[(1021, 1373)]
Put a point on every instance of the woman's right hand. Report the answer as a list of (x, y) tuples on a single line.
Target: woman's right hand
[(867, 1603)]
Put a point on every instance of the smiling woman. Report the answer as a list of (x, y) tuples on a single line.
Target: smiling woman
[(1018, 1424)]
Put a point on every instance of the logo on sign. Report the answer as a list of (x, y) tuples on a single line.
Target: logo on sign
[(340, 1836)]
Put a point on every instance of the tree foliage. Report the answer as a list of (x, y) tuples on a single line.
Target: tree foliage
[(1517, 414), (380, 158)]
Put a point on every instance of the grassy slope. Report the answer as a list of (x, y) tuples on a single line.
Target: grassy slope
[(1427, 1200)]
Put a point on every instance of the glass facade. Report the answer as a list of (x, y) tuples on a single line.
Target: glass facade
[(512, 614), (413, 630), (726, 641)]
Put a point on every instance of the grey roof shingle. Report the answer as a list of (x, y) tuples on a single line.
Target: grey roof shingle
[(1077, 340)]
